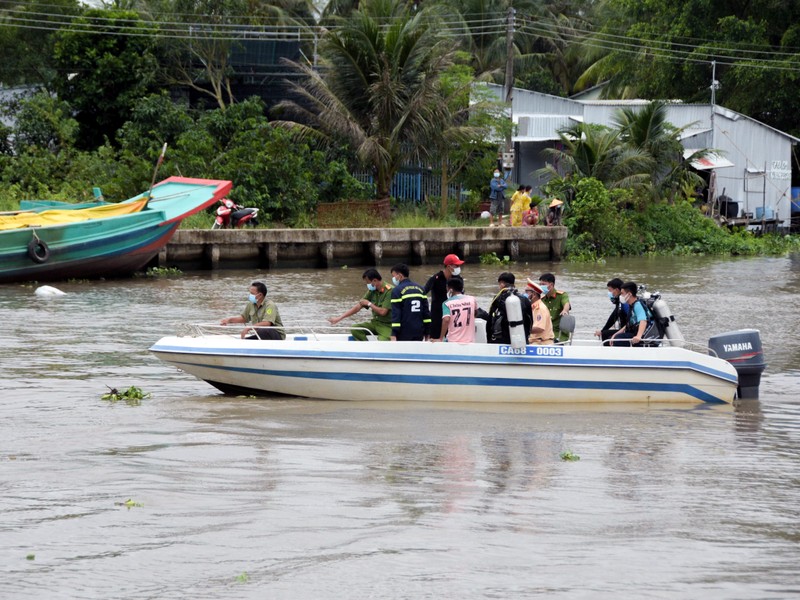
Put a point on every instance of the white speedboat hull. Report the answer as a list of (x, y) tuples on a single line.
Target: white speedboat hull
[(333, 368)]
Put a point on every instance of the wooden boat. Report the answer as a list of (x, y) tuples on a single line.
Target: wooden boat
[(102, 240), (334, 367)]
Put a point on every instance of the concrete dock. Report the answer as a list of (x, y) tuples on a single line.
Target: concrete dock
[(329, 248)]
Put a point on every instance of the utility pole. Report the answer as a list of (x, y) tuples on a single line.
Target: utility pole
[(509, 80)]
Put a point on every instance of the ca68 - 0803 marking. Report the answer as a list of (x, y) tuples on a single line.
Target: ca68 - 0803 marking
[(533, 350)]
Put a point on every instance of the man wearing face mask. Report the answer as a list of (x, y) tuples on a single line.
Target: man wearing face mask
[(619, 316), (459, 313), (378, 301), (411, 317), (639, 319), (437, 288), (557, 302), (542, 326), (497, 197), (497, 326), (259, 314)]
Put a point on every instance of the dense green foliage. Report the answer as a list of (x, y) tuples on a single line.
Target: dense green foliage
[(394, 87), (283, 178), (604, 224)]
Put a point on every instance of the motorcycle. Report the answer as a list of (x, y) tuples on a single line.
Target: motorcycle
[(231, 216)]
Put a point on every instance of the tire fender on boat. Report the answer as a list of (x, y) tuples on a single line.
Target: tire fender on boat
[(38, 250)]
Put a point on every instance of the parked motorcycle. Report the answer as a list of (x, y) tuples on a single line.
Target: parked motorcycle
[(231, 216)]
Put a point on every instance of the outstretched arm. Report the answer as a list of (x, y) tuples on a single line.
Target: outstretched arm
[(350, 312)]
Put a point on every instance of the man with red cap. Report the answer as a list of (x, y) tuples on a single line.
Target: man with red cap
[(437, 288)]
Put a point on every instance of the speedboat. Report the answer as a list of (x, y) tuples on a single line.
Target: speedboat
[(333, 366)]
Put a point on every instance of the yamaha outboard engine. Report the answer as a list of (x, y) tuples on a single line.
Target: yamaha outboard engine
[(742, 349)]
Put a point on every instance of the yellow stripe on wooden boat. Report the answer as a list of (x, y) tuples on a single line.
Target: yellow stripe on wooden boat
[(49, 218)]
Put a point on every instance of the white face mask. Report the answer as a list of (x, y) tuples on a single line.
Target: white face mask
[(456, 270), (496, 174), (394, 281), (624, 298)]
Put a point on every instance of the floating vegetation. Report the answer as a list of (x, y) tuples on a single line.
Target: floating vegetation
[(569, 455), (30, 557), (155, 272), (133, 396), (491, 258), (129, 504), (243, 577)]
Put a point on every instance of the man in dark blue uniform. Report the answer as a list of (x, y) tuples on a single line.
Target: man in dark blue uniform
[(411, 317)]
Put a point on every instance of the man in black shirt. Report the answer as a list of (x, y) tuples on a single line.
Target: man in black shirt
[(437, 288), (497, 327)]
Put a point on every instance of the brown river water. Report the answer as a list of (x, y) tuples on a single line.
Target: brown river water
[(287, 498)]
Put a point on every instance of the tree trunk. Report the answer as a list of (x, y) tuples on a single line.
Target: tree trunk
[(445, 185)]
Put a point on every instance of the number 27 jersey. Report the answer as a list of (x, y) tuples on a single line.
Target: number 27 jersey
[(461, 310)]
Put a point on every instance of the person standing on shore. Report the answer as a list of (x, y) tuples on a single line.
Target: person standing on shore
[(497, 197), (377, 300), (411, 317), (436, 286), (517, 207)]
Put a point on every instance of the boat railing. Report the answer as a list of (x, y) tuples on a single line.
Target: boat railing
[(296, 330)]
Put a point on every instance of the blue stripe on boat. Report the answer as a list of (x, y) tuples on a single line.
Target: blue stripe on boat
[(504, 359), (473, 381)]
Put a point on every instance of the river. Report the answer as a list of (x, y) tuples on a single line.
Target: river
[(191, 494)]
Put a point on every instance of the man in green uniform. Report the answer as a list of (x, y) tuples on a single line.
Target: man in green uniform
[(557, 302), (377, 300), (259, 314)]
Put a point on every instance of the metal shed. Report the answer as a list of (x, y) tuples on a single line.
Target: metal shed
[(755, 160)]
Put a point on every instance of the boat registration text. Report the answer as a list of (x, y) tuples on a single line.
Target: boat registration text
[(533, 350)]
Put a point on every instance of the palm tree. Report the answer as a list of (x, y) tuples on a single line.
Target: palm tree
[(648, 130), (379, 89), (594, 151)]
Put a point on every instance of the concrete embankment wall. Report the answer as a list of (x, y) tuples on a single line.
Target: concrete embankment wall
[(321, 248)]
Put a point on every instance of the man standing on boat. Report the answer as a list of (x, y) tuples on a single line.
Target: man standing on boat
[(377, 300), (260, 314), (411, 317), (459, 310), (497, 327), (437, 288), (557, 302)]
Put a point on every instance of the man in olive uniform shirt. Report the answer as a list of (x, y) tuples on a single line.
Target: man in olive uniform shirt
[(259, 314), (378, 301), (557, 302)]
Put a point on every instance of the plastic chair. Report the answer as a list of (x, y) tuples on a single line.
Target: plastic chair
[(567, 325)]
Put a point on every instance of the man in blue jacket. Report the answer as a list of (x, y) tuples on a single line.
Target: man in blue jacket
[(411, 317)]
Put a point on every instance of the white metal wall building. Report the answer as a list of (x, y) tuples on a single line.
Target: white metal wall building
[(754, 166)]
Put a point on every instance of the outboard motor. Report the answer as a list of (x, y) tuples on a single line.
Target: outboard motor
[(742, 349)]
